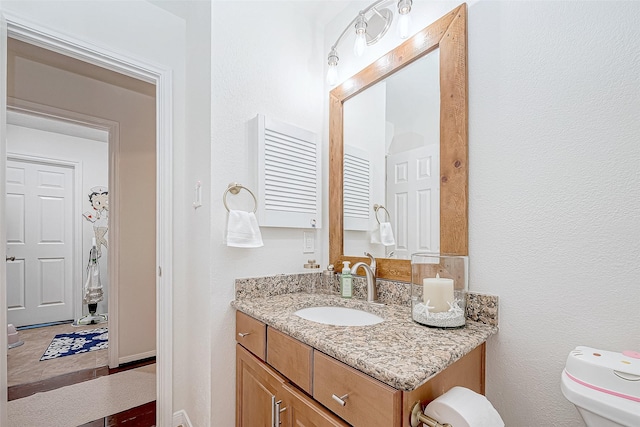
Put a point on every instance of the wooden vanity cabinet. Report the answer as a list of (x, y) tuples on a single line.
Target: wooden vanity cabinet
[(265, 399), (282, 382)]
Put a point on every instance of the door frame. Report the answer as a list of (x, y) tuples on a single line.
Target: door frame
[(76, 168), (124, 63)]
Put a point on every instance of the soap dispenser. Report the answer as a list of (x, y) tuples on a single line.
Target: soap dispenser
[(346, 283)]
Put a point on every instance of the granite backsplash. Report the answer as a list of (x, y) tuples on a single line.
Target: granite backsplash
[(480, 307)]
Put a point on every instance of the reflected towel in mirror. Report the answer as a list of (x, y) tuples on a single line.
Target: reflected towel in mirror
[(383, 235), (243, 230)]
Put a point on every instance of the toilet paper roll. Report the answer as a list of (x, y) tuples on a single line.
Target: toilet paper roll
[(462, 407)]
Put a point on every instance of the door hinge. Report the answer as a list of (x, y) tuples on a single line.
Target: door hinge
[(159, 271)]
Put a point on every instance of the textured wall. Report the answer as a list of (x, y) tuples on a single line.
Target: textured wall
[(554, 182), (265, 59)]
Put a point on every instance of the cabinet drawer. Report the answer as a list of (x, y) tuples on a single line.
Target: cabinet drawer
[(368, 401), (290, 357), (302, 411), (251, 334)]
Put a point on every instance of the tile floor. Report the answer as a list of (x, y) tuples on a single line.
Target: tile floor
[(24, 365)]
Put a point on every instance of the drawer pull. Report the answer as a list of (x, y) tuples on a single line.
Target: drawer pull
[(341, 399), (279, 411), (244, 334)]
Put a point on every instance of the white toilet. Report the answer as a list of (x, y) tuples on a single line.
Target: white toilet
[(604, 386)]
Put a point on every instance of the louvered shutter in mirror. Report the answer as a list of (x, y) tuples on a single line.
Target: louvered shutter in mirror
[(357, 189)]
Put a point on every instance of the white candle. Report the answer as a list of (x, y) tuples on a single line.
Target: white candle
[(437, 291)]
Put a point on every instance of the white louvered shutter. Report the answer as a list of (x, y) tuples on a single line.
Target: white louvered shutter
[(288, 175), (357, 189)]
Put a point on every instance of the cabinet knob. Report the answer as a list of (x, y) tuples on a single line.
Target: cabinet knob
[(244, 334), (341, 399)]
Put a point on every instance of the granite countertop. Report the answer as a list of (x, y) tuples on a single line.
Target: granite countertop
[(398, 351)]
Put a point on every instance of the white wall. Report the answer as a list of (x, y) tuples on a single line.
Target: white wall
[(266, 58), (192, 297), (554, 180), (554, 92)]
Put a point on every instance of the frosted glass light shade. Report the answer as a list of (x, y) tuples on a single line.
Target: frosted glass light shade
[(332, 75), (404, 25), (360, 44)]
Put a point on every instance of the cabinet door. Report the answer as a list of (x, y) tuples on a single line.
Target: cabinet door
[(302, 411), (257, 390)]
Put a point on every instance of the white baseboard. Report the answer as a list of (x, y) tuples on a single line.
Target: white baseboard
[(136, 357), (181, 418)]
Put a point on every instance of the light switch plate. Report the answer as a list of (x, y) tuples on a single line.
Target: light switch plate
[(308, 242)]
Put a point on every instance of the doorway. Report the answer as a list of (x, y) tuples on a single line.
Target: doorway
[(160, 253), (52, 167)]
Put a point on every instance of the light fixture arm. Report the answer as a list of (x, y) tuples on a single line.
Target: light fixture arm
[(375, 10), (355, 23), (349, 27)]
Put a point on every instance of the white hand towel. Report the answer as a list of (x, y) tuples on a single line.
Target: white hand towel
[(375, 236), (243, 230), (386, 234)]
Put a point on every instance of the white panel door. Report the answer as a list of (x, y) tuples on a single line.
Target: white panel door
[(39, 215), (413, 200)]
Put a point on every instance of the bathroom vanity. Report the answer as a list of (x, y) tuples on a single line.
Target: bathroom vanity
[(295, 372)]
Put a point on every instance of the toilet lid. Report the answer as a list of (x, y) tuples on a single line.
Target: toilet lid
[(608, 372)]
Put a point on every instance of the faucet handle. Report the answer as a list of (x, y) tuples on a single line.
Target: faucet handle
[(373, 262)]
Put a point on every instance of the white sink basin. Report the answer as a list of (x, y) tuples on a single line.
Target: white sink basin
[(339, 316)]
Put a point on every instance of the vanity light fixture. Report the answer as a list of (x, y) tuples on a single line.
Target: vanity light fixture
[(371, 24)]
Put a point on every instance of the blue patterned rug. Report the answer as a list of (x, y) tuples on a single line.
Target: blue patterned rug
[(77, 342)]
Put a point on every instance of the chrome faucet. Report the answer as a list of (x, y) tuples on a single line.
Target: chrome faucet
[(370, 273)]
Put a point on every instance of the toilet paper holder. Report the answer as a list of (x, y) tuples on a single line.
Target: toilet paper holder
[(417, 417)]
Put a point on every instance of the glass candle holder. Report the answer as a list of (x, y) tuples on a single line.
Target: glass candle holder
[(439, 285)]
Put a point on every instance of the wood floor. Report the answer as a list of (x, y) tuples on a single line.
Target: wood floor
[(141, 416), (28, 376)]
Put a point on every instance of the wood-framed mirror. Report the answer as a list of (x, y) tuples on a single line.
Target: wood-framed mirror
[(449, 36)]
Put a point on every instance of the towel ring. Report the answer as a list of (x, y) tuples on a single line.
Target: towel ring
[(234, 188), (377, 207)]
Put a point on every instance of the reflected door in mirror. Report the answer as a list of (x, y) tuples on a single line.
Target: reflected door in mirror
[(394, 125)]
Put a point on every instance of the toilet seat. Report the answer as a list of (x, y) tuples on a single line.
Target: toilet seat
[(618, 409)]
